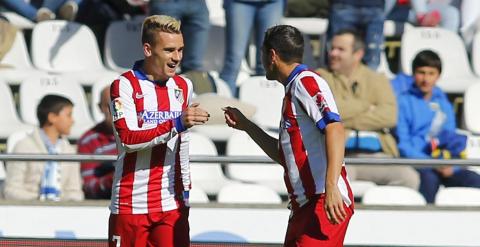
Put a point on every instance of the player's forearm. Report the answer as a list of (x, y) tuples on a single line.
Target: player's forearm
[(335, 146), (268, 144)]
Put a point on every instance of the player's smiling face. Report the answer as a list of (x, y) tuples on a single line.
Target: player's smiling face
[(341, 56), (166, 54)]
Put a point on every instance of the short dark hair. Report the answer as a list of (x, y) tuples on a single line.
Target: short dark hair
[(427, 58), (51, 104), (358, 42), (287, 41)]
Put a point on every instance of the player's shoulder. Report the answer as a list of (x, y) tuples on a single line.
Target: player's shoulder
[(309, 78), (182, 81)]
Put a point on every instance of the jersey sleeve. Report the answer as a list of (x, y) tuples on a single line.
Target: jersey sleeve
[(132, 137), (316, 99), (185, 144)]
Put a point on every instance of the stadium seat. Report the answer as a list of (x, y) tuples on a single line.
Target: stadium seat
[(471, 103), (71, 48), (97, 88), (197, 195), (9, 122), (270, 175), (123, 45), (458, 196), (16, 136), (393, 195), (207, 176), (248, 194), (456, 75), (476, 53), (33, 89), (308, 25), (360, 187), (16, 63), (18, 20), (267, 96), (216, 12), (383, 67)]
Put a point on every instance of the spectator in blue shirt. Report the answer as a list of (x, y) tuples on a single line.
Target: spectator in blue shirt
[(426, 128)]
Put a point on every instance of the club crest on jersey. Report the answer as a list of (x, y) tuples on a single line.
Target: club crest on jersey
[(117, 109), (179, 95)]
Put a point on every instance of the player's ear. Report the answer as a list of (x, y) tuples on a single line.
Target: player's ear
[(147, 49)]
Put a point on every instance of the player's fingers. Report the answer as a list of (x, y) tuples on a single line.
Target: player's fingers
[(194, 104), (339, 213), (229, 120), (333, 215)]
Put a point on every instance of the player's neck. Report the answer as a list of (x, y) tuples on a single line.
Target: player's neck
[(284, 71)]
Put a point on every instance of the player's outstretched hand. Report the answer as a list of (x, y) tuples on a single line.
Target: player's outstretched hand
[(234, 118), (194, 115), (334, 206)]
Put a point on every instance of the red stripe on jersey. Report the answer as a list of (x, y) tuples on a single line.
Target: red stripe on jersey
[(301, 159), (115, 89), (157, 157), (137, 94), (126, 183), (286, 179), (154, 194), (182, 84), (310, 84)]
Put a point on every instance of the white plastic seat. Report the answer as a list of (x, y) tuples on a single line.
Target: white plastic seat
[(458, 196), (456, 75), (471, 103), (123, 44), (9, 120), (383, 66), (216, 12), (393, 195), (360, 187), (207, 176), (67, 48), (18, 61), (476, 53), (270, 175), (18, 20), (197, 195), (16, 136), (309, 25), (248, 193), (97, 88), (267, 97), (33, 89)]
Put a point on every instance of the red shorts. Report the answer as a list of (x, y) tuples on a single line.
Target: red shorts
[(309, 226), (169, 229)]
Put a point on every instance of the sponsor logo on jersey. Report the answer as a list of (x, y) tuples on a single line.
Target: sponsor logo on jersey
[(158, 117)]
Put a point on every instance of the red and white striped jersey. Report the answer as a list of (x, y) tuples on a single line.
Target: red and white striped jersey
[(308, 106), (152, 169)]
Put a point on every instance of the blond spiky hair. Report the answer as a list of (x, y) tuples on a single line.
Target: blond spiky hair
[(158, 23)]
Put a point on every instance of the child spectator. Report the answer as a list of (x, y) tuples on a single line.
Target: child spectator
[(51, 180), (426, 129)]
